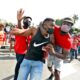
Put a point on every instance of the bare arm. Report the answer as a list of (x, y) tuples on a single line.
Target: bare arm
[(52, 39), (62, 55), (23, 32), (19, 24), (16, 31), (10, 43)]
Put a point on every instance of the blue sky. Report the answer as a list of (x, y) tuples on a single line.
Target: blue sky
[(39, 9)]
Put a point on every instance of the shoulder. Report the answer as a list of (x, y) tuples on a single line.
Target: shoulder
[(33, 30), (56, 27)]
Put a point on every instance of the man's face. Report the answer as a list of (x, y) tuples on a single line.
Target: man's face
[(48, 26), (68, 24), (66, 27), (27, 22)]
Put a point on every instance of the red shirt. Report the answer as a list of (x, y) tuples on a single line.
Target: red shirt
[(75, 43), (21, 44), (2, 37), (63, 40), (29, 40)]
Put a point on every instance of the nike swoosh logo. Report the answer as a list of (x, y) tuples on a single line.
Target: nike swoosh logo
[(36, 45)]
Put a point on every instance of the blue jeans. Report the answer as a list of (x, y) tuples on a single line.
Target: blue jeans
[(73, 54), (34, 68)]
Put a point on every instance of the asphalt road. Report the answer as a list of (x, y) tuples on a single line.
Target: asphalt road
[(70, 71)]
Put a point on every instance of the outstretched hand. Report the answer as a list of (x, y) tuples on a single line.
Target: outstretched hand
[(20, 14)]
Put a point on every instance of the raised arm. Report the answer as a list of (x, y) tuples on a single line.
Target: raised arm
[(19, 17)]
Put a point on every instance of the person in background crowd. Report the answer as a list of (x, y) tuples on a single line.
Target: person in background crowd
[(2, 34), (74, 48)]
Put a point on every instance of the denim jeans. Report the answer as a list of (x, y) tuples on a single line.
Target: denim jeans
[(34, 68), (73, 54), (19, 58)]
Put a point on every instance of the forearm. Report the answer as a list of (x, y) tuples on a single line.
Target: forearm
[(16, 31), (59, 55), (10, 46), (19, 24), (62, 55)]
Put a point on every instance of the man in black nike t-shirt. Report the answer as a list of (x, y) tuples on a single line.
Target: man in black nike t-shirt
[(34, 58)]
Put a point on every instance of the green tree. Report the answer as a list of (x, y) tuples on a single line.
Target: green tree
[(75, 17), (58, 22)]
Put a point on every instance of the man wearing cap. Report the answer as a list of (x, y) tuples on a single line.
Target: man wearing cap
[(63, 43)]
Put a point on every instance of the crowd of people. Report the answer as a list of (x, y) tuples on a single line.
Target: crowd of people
[(75, 47), (33, 45)]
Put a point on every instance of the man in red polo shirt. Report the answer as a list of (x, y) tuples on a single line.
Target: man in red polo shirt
[(63, 43), (21, 42), (74, 48)]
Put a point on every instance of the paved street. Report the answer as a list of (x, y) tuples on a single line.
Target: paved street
[(70, 71)]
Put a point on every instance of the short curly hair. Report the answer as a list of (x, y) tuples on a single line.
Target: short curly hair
[(25, 17)]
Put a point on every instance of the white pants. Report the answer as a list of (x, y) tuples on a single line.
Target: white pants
[(54, 61)]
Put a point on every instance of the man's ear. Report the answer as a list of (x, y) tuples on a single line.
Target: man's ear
[(42, 29)]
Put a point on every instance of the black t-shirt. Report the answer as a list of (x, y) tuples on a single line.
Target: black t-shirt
[(35, 50)]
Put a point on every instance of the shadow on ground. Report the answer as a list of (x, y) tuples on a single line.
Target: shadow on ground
[(8, 78)]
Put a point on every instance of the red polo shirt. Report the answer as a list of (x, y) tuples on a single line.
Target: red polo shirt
[(63, 40), (21, 44)]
